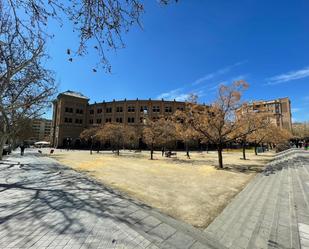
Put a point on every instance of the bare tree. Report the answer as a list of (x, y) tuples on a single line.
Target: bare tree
[(249, 122), (259, 137), (158, 133), (184, 132), (117, 134), (99, 24), (301, 130), (89, 134), (217, 122), (26, 87)]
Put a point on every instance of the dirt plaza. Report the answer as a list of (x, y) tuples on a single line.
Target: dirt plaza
[(191, 190)]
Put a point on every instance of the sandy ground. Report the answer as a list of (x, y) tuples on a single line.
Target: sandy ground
[(191, 190)]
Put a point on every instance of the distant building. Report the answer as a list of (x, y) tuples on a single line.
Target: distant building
[(278, 110), (72, 114), (41, 129)]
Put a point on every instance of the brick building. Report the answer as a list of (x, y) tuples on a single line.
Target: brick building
[(41, 129), (278, 111), (72, 114)]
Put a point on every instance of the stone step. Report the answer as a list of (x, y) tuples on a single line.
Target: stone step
[(244, 215), (218, 227), (257, 229), (248, 225), (263, 215)]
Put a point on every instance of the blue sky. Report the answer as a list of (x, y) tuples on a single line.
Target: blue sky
[(192, 47)]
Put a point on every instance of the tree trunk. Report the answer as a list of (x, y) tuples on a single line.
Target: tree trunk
[(255, 149), (244, 151), (151, 152), (187, 150), (118, 150), (91, 146), (220, 156), (2, 141)]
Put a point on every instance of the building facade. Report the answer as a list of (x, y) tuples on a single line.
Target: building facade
[(278, 111), (72, 114), (41, 129)]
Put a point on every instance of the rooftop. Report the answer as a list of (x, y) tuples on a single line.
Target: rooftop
[(74, 94)]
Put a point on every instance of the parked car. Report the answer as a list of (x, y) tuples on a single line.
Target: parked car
[(6, 150)]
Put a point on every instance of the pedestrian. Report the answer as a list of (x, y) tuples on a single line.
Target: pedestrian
[(163, 151), (22, 149)]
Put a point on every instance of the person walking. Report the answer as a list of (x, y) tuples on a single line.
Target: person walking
[(22, 149)]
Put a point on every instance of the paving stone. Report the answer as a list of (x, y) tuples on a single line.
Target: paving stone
[(47, 205), (163, 231), (180, 240), (267, 212)]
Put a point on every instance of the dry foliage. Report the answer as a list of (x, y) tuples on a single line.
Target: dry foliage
[(98, 24), (158, 133), (118, 135), (184, 132), (301, 130), (26, 86), (217, 122)]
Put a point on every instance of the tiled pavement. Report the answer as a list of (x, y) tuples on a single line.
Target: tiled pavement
[(272, 211), (47, 205)]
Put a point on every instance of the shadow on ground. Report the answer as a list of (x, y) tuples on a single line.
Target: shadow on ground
[(38, 198)]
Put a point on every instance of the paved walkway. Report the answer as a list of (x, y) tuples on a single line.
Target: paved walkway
[(47, 205), (272, 211)]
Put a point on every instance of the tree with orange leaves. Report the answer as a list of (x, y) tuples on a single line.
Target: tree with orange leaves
[(117, 134), (184, 132), (90, 134), (217, 123), (158, 132)]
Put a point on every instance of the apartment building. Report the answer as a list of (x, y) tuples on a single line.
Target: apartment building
[(278, 111), (41, 129), (72, 114)]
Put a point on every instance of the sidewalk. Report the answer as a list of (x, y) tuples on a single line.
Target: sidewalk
[(272, 211), (47, 205)]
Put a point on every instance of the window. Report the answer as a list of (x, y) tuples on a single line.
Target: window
[(144, 108), (109, 110), (68, 120), (99, 121), (119, 109), (99, 110), (141, 120), (168, 109), (131, 108), (91, 111), (130, 120), (90, 121), (156, 108), (108, 120), (78, 121), (180, 108), (119, 120), (69, 109), (79, 111)]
